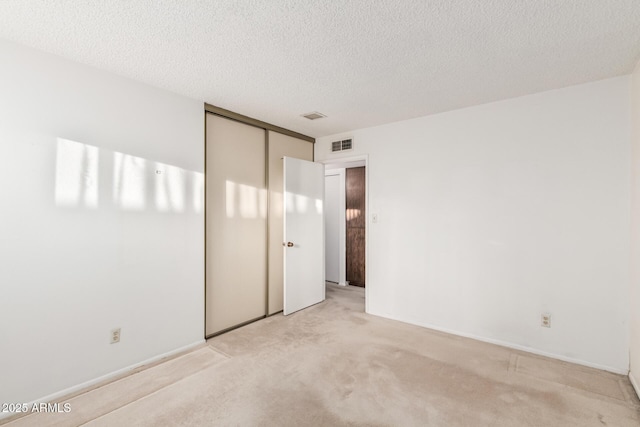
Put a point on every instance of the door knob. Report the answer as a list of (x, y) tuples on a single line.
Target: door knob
[(289, 244)]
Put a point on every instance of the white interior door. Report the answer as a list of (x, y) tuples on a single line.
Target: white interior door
[(303, 234), (279, 146)]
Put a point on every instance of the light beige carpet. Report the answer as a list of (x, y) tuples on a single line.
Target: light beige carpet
[(333, 365)]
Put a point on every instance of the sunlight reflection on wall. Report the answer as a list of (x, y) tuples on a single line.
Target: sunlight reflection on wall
[(197, 194), (129, 181), (136, 183), (76, 174), (245, 200), (170, 188)]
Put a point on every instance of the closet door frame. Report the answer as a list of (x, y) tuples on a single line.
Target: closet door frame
[(267, 127), (211, 109)]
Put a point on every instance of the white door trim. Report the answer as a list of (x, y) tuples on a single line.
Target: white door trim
[(342, 251)]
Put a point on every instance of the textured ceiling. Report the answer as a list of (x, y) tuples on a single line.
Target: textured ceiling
[(362, 63)]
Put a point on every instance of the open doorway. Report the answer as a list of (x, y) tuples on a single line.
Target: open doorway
[(356, 224), (346, 222)]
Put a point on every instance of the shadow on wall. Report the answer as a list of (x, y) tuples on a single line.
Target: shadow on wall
[(88, 177)]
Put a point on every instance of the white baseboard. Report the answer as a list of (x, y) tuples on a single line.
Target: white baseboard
[(514, 346), (635, 384), (104, 378)]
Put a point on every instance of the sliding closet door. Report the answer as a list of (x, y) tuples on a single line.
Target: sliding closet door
[(236, 228), (280, 146)]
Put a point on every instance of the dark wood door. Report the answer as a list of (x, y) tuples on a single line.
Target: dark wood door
[(356, 225)]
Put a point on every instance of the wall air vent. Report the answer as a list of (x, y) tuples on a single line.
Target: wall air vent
[(313, 116), (345, 144)]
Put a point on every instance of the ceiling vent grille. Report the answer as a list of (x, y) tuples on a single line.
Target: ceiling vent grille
[(313, 116), (345, 144)]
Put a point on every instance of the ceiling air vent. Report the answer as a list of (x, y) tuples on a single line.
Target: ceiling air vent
[(313, 116), (345, 144)]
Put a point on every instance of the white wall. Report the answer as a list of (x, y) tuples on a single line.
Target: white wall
[(92, 238), (335, 226), (490, 215), (634, 352)]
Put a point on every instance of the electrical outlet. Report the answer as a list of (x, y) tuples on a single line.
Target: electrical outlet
[(115, 336), (545, 320)]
